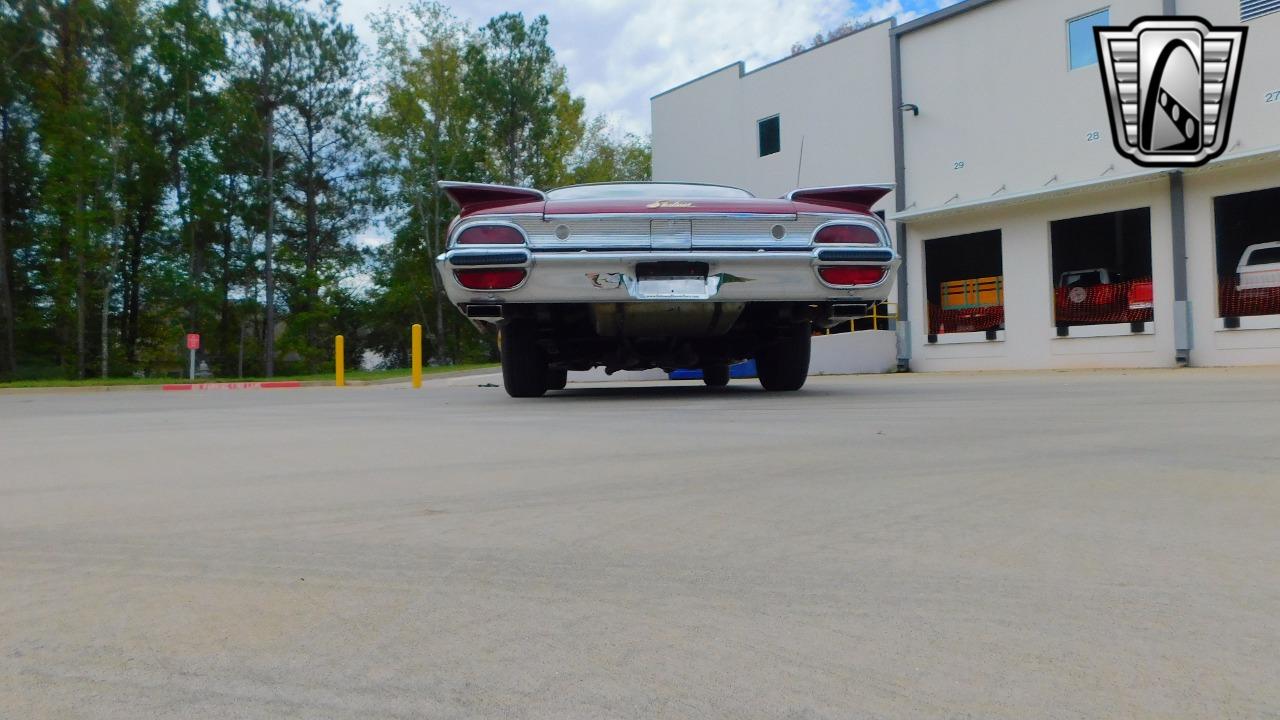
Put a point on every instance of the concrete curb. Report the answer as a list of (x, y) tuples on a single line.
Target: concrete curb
[(406, 379), (155, 387), (248, 385)]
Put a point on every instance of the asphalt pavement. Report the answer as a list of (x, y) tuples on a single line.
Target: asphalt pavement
[(1011, 545)]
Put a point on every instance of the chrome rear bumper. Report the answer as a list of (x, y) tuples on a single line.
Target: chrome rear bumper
[(611, 277)]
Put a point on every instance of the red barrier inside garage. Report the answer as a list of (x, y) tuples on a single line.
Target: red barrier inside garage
[(976, 319), (1118, 302), (964, 279), (1102, 269), (1248, 253), (1234, 302)]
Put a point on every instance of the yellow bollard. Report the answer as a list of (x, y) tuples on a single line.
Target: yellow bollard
[(417, 355), (339, 362)]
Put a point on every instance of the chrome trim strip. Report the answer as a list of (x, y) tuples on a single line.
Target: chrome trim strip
[(670, 216), (570, 249), (483, 258), (565, 277), (615, 183), (854, 255)]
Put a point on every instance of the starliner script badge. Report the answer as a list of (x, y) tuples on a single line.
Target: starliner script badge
[(669, 204)]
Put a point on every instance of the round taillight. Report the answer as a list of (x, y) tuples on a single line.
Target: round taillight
[(847, 234), (490, 235), (490, 279), (851, 275)]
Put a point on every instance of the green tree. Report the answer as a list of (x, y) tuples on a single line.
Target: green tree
[(189, 54), (427, 133), (70, 129), (604, 155), (128, 85), (529, 122), (324, 125), (21, 28), (264, 34)]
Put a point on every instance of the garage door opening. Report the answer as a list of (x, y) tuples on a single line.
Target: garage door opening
[(964, 278), (1102, 270), (1248, 243)]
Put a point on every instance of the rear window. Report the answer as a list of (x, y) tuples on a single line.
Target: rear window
[(647, 191), (1265, 256), (1081, 279)]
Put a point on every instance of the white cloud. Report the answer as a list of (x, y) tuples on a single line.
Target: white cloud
[(619, 53)]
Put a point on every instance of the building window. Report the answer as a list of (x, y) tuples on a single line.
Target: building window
[(964, 278), (1250, 9), (1248, 253), (770, 135), (1082, 48), (1102, 269)]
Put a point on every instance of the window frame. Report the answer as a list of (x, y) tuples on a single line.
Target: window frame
[(760, 135), (935, 279), (1267, 321), (1092, 43), (1116, 272)]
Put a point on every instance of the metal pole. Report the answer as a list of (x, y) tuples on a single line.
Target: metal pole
[(417, 355), (192, 364), (902, 325), (339, 362), (1181, 307)]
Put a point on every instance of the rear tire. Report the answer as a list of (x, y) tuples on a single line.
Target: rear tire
[(557, 379), (715, 375), (524, 364), (783, 364)]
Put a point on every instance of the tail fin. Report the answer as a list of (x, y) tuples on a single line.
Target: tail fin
[(849, 197), (470, 197)]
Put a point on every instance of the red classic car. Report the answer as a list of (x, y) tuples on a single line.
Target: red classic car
[(672, 275)]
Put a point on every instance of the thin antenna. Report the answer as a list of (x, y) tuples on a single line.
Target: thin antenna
[(800, 162)]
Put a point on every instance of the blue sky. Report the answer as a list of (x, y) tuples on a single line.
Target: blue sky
[(619, 53)]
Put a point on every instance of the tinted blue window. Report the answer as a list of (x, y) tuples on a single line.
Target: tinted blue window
[(770, 136), (1080, 34)]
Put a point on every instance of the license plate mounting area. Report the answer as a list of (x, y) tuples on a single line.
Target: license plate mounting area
[(672, 280)]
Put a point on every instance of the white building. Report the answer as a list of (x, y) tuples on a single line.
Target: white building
[(991, 118)]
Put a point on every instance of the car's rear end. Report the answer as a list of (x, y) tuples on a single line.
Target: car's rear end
[(631, 276)]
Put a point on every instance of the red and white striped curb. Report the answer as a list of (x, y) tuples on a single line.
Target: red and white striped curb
[(270, 385)]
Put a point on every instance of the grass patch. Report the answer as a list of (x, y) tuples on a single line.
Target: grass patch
[(362, 375)]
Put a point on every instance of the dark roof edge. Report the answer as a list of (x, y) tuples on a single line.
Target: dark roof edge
[(739, 64), (939, 15), (891, 20), (742, 65)]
